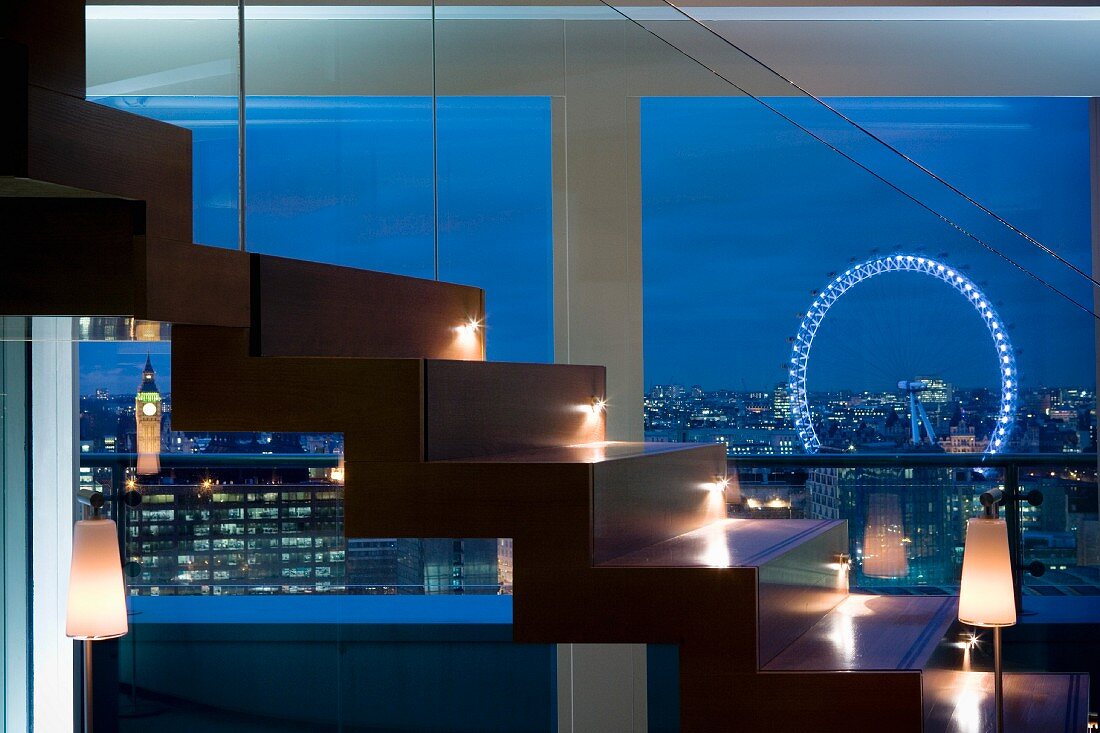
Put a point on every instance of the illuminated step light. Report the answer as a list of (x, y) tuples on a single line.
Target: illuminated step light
[(597, 406), (720, 483), (468, 329)]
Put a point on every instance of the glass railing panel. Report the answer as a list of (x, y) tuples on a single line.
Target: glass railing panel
[(339, 145), (906, 513), (177, 64), (1059, 542)]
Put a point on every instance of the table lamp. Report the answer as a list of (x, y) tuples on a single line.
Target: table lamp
[(96, 607), (986, 595)]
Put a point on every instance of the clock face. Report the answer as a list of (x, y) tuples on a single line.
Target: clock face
[(149, 409)]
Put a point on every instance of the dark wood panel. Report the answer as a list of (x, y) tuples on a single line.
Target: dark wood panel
[(216, 385), (89, 146), (13, 129), (53, 32), (484, 408), (192, 284), (78, 255), (307, 309), (384, 499), (795, 702), (643, 501), (64, 256)]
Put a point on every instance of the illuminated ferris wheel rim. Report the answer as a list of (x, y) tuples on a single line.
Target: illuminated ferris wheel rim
[(811, 322)]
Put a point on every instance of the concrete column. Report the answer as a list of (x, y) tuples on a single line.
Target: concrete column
[(602, 688), (597, 220)]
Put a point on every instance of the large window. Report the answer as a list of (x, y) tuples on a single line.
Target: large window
[(761, 245)]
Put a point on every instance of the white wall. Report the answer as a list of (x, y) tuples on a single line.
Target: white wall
[(54, 471)]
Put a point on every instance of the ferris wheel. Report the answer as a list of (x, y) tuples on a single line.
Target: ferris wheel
[(842, 283)]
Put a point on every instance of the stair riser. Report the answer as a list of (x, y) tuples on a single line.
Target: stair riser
[(388, 409), (799, 587), (640, 502), (487, 409), (93, 240), (795, 702), (309, 309), (56, 243)]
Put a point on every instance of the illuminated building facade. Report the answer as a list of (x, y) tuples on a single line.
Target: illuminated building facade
[(249, 531)]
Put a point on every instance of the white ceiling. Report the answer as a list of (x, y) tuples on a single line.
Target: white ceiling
[(831, 51)]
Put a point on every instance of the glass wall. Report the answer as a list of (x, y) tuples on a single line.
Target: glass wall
[(630, 190), (904, 362)]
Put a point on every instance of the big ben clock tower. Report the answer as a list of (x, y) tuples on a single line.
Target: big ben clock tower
[(148, 412)]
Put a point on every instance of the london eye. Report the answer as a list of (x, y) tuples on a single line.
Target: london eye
[(842, 283)]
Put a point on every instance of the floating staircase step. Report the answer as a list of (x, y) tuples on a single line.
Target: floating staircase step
[(798, 577), (963, 702), (312, 309), (867, 632), (576, 488), (388, 409), (70, 238)]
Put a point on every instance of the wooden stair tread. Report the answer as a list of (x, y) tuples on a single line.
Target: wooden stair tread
[(963, 702), (596, 452), (727, 543), (871, 633)]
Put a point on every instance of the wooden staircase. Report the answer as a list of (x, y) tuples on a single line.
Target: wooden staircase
[(613, 542)]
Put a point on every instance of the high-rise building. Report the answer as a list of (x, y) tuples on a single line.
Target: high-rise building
[(781, 404), (937, 393), (250, 530), (148, 413), (448, 566)]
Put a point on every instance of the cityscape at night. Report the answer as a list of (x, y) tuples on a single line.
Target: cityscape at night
[(261, 513)]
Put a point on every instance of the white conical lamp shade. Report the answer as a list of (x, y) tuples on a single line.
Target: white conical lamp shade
[(986, 597), (97, 594)]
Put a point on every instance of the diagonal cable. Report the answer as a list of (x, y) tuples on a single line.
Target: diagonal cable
[(849, 158), (886, 144)]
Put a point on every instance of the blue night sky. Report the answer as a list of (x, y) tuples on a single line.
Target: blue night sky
[(743, 216)]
